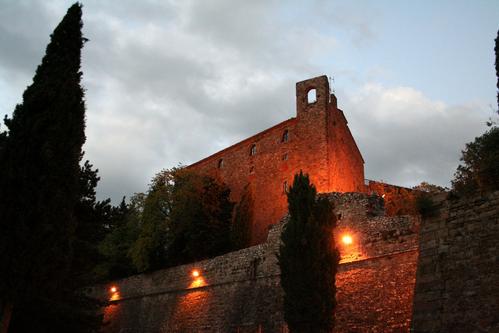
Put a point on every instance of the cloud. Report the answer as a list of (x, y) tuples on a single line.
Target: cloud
[(406, 137), (171, 82)]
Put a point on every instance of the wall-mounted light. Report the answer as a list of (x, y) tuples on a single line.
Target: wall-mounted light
[(197, 279), (347, 239), (115, 295)]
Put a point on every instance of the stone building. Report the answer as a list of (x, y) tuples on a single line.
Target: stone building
[(398, 272), (317, 141)]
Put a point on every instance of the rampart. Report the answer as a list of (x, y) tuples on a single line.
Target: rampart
[(240, 291), (457, 287)]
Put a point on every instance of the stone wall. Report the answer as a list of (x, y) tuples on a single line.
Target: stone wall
[(240, 291), (457, 285)]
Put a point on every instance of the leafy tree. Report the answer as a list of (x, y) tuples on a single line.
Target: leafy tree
[(496, 49), (308, 260), (480, 168), (123, 232), (241, 224), (200, 218), (149, 250), (424, 198), (40, 189)]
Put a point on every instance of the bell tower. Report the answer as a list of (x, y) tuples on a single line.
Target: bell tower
[(312, 96)]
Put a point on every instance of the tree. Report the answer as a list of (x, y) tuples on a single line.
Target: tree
[(480, 168), (123, 232), (200, 218), (40, 189), (241, 224), (496, 49), (93, 219), (149, 250), (308, 260)]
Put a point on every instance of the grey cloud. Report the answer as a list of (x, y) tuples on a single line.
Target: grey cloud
[(171, 82)]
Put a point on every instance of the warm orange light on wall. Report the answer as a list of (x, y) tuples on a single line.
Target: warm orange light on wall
[(115, 295), (347, 239), (195, 273)]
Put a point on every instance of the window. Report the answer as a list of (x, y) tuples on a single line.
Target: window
[(253, 150), (252, 169), (285, 136), (285, 157), (221, 163), (285, 186), (312, 96)]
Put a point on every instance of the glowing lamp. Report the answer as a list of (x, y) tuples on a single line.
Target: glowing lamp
[(113, 289), (347, 239), (195, 273)]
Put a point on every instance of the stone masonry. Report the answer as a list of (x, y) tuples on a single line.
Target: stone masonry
[(240, 291), (457, 284)]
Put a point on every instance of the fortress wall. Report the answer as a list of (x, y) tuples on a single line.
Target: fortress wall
[(240, 291), (457, 284)]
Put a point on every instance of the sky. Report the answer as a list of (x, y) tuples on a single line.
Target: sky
[(171, 82)]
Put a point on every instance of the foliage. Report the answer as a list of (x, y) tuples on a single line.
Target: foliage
[(200, 218), (429, 188), (186, 217), (308, 260), (496, 49), (40, 188), (123, 232), (424, 198), (93, 218), (491, 122), (480, 168), (149, 250), (241, 224)]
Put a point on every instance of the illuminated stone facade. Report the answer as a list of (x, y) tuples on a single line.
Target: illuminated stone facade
[(240, 291), (316, 141)]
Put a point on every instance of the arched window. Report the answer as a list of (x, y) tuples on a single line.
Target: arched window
[(221, 163), (285, 187), (253, 150), (285, 136), (312, 96)]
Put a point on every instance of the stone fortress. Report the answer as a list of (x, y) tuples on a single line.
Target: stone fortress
[(316, 141), (398, 272)]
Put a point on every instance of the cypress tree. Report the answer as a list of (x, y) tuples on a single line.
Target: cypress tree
[(40, 188), (496, 49), (308, 260)]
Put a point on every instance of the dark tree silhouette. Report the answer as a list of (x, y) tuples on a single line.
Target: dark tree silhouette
[(496, 49), (241, 224), (40, 187), (308, 260)]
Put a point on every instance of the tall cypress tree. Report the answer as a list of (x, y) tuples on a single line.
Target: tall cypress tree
[(39, 189), (308, 260), (496, 49)]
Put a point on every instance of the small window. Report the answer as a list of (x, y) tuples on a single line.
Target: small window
[(285, 186), (285, 157), (221, 163), (312, 96), (253, 150), (252, 169), (285, 136)]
